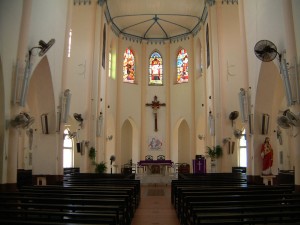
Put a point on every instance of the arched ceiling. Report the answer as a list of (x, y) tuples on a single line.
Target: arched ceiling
[(155, 19)]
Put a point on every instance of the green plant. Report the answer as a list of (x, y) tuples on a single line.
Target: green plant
[(100, 167), (92, 154), (214, 152)]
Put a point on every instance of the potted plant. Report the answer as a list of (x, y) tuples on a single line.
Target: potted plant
[(100, 167), (92, 154), (214, 153)]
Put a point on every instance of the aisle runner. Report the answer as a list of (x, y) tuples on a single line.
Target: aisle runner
[(156, 192)]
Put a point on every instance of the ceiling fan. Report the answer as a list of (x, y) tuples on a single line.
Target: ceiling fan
[(22, 120)]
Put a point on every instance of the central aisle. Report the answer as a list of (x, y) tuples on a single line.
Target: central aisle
[(155, 207)]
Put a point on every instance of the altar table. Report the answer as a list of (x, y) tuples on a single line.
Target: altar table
[(156, 166)]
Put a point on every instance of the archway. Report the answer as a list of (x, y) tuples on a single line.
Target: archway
[(40, 100), (267, 102), (184, 151)]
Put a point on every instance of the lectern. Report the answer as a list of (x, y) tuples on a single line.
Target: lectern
[(199, 165)]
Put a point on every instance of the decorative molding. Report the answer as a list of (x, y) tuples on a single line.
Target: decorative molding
[(82, 2), (101, 2), (230, 1), (210, 2)]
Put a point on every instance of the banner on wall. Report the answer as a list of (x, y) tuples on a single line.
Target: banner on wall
[(155, 143)]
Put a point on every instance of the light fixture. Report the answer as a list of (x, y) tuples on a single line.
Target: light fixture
[(244, 104), (109, 138), (201, 136), (99, 125), (211, 121), (44, 47), (66, 99)]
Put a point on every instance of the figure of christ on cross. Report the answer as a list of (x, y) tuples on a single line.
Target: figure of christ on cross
[(155, 106)]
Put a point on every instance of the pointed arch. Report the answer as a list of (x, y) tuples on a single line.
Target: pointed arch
[(155, 69), (181, 151), (129, 141), (182, 66)]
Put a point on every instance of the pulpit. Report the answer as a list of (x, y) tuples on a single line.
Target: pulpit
[(199, 165)]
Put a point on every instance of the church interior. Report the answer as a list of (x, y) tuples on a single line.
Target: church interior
[(161, 90)]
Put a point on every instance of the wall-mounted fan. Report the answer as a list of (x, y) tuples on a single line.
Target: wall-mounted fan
[(237, 133), (78, 118), (23, 120), (288, 119), (265, 50), (293, 119), (72, 135), (112, 159), (233, 116)]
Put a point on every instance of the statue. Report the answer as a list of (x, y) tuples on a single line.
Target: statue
[(266, 153)]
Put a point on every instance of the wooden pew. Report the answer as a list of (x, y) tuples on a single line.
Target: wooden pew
[(195, 192), (260, 210), (58, 216), (234, 203), (113, 198), (97, 180), (209, 180), (47, 205)]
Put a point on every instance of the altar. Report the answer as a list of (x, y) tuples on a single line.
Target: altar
[(156, 166), (155, 172)]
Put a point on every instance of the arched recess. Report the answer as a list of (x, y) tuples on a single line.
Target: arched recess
[(269, 98), (2, 126), (129, 142), (110, 137), (40, 100), (181, 151)]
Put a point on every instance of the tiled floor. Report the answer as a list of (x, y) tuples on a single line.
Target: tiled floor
[(155, 207)]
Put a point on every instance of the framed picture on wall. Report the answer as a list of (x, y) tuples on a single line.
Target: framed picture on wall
[(155, 143)]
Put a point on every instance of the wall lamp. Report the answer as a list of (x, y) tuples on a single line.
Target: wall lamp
[(109, 138), (201, 136)]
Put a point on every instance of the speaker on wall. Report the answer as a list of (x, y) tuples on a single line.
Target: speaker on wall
[(265, 123)]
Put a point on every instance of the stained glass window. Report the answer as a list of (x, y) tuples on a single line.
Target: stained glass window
[(155, 69), (128, 67), (182, 67)]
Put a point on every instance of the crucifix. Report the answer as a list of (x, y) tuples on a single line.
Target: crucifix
[(155, 106)]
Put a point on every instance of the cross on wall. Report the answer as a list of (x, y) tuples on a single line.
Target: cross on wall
[(155, 105)]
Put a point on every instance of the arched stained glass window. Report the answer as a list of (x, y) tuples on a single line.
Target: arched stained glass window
[(155, 69), (182, 67), (128, 67)]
